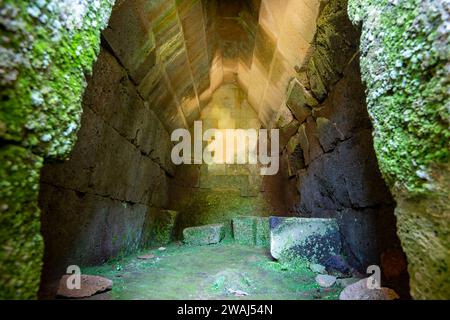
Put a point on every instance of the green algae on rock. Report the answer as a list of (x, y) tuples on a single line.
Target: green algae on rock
[(47, 47), (251, 230), (159, 227), (51, 45), (404, 64), (20, 239), (204, 235)]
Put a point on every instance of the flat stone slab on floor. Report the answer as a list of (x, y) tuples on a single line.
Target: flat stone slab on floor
[(89, 285), (314, 239), (251, 230), (360, 291), (204, 235)]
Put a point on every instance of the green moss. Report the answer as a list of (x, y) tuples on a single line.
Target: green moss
[(160, 228), (216, 206), (204, 235), (244, 230), (250, 230), (210, 272), (21, 244), (404, 62), (41, 106), (47, 47), (404, 50)]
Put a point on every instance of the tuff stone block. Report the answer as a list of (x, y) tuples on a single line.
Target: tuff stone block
[(204, 235), (314, 239)]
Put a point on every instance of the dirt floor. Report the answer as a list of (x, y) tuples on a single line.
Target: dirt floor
[(223, 271)]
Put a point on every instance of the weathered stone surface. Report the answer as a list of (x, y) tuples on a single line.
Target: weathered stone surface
[(325, 281), (299, 101), (244, 230), (89, 229), (159, 227), (284, 117), (287, 132), (360, 291), (334, 46), (411, 147), (204, 235), (262, 232), (315, 149), (317, 268), (135, 44), (336, 265), (89, 285), (328, 134), (251, 230), (304, 238)]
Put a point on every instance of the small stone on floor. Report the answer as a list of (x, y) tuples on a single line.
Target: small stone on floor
[(89, 285), (238, 293), (360, 291), (316, 268), (325, 281)]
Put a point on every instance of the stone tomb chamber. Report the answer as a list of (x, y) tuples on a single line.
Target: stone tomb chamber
[(357, 92)]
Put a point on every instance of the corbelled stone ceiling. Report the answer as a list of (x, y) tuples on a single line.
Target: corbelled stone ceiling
[(179, 52)]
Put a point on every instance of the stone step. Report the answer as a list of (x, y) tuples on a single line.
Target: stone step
[(204, 235), (251, 230), (314, 239)]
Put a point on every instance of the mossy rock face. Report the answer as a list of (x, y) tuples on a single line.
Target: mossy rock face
[(249, 230), (21, 245), (47, 47), (204, 235), (159, 227), (405, 53), (205, 206), (312, 239)]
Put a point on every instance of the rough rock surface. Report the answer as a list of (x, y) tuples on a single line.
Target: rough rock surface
[(406, 74), (331, 156), (325, 281), (42, 79), (338, 266), (159, 228), (250, 230), (304, 238), (89, 285), (108, 198), (359, 291), (317, 268), (204, 235)]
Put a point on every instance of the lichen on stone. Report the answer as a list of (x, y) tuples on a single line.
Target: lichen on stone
[(21, 244), (404, 64), (47, 47), (405, 56)]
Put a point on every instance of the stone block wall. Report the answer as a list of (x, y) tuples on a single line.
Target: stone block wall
[(94, 205), (47, 48), (328, 147), (216, 193)]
